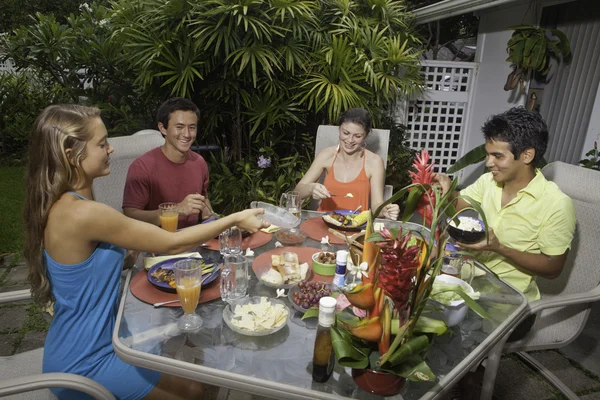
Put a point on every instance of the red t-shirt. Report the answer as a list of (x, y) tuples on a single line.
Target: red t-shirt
[(153, 179)]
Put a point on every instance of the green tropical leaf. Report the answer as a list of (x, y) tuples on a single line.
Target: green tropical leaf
[(347, 352), (564, 45), (475, 156), (413, 346)]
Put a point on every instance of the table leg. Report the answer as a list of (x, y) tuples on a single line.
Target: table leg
[(491, 369)]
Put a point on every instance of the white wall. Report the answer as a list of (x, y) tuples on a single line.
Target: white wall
[(489, 97), (593, 133)]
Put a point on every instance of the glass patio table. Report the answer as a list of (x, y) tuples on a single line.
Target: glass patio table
[(279, 365)]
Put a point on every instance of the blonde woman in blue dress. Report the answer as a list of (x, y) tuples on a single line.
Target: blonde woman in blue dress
[(74, 247)]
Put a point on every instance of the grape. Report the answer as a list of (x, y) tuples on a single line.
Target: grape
[(305, 305)]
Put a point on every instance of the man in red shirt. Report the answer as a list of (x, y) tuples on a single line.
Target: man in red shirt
[(172, 172)]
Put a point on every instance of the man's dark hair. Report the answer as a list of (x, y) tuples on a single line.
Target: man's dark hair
[(521, 129), (175, 104), (358, 116)]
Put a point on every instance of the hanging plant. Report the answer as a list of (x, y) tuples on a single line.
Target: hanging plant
[(530, 49)]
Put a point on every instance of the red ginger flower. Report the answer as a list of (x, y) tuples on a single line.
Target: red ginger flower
[(398, 268), (424, 175)]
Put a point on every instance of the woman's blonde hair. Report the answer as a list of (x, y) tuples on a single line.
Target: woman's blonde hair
[(51, 172)]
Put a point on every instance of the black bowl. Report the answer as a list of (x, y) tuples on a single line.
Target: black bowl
[(466, 237)]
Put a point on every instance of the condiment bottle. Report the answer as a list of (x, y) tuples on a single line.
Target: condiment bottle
[(340, 268), (323, 356)]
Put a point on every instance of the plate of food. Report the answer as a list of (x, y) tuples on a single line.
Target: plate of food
[(307, 294), (256, 316), (290, 236), (162, 274), (346, 220), (285, 272)]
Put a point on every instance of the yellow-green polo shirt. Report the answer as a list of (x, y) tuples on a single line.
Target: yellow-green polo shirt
[(540, 219)]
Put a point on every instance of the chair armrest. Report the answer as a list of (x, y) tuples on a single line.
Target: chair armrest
[(567, 300), (54, 380), (17, 295)]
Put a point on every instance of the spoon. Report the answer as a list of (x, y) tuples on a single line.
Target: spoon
[(357, 208), (164, 302)]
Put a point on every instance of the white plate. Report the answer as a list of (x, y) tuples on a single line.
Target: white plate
[(276, 215), (228, 316)]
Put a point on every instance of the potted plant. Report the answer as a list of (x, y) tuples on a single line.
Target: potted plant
[(385, 336), (530, 49)]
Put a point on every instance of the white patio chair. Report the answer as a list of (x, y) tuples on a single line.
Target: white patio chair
[(566, 301), (109, 189), (21, 375), (378, 142)]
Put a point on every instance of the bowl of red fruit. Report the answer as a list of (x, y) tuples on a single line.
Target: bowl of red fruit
[(307, 294)]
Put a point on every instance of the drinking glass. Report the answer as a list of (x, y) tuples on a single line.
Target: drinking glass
[(292, 202), (234, 278), (169, 216), (188, 281), (230, 241)]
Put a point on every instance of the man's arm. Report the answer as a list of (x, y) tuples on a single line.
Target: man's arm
[(150, 216), (541, 264)]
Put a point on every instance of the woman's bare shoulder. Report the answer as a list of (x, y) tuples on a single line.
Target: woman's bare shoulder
[(373, 159)]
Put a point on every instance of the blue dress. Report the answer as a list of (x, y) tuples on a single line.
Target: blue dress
[(79, 338)]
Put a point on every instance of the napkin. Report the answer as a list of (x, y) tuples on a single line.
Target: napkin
[(150, 261), (272, 228)]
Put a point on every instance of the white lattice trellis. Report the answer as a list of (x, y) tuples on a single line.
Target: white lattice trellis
[(437, 120)]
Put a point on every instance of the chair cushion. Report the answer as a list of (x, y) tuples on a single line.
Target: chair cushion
[(24, 364)]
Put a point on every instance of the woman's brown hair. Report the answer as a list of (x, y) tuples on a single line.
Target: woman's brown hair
[(49, 174)]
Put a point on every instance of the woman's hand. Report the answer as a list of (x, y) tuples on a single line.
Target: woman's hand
[(319, 192), (248, 220), (391, 211)]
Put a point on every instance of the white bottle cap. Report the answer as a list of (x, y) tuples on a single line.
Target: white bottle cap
[(341, 257), (327, 310)]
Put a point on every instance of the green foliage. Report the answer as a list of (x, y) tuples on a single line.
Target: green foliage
[(14, 13), (474, 156), (592, 161), (12, 198), (261, 71), (400, 155), (234, 185), (530, 50), (22, 97)]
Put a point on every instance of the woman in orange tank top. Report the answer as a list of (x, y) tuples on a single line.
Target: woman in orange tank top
[(354, 175)]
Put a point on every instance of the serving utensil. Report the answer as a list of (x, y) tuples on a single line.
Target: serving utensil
[(164, 302)]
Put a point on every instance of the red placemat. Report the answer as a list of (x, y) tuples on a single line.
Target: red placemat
[(262, 262), (253, 241), (146, 292), (316, 229)]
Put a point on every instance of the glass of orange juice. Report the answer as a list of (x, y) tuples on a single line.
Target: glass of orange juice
[(188, 281), (169, 216)]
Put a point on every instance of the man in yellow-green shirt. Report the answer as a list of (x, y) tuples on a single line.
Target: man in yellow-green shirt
[(531, 222)]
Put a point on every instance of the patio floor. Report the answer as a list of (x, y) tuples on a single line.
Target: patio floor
[(23, 327)]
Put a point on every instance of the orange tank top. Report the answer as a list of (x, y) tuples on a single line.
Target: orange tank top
[(360, 188)]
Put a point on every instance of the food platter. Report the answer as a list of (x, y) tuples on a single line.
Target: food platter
[(327, 219), (297, 289), (233, 316), (168, 266)]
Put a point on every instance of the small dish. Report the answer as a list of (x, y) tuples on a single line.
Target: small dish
[(290, 236), (229, 313), (464, 236), (453, 312), (323, 268), (296, 289), (342, 227), (286, 285), (168, 265), (276, 215)]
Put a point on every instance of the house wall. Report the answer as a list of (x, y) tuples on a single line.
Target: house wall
[(489, 96)]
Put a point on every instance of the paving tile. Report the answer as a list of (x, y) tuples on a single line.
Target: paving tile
[(574, 378), (7, 343), (17, 274), (12, 318), (515, 381), (591, 396), (31, 341), (14, 287)]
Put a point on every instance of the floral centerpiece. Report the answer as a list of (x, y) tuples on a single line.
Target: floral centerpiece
[(387, 330)]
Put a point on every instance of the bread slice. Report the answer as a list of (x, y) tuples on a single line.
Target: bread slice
[(288, 267)]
